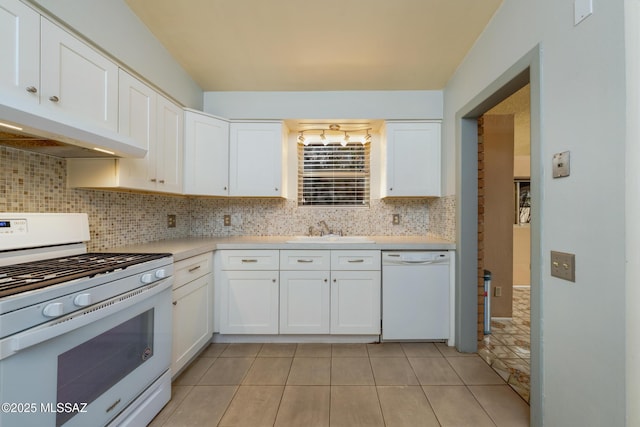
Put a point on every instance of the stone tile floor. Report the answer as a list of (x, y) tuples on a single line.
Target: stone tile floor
[(507, 349), (390, 384)]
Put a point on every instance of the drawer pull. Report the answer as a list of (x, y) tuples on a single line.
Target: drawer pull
[(305, 260), (355, 261), (249, 260), (192, 269)]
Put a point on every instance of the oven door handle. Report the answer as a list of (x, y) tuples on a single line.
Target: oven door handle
[(65, 324)]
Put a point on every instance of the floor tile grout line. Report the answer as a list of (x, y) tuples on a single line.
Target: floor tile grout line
[(375, 387), (284, 388), (481, 406), (177, 405), (235, 393)]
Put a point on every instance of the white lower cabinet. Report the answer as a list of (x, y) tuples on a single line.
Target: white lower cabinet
[(355, 292), (249, 290), (192, 309), (355, 302), (305, 292), (300, 292)]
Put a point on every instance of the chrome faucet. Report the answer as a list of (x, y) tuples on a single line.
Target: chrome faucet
[(324, 224)]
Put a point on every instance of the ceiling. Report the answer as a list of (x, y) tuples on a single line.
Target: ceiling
[(300, 45)]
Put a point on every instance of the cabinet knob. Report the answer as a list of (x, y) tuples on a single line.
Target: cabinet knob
[(273, 280), (32, 89), (276, 188), (152, 180), (175, 303), (54, 98), (225, 188), (391, 189), (326, 280), (335, 280), (161, 181)]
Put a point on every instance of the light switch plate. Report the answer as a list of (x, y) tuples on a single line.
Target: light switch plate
[(395, 219), (227, 220), (563, 265), (171, 221), (582, 9), (561, 164)]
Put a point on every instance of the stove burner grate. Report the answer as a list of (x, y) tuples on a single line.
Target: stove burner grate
[(28, 276)]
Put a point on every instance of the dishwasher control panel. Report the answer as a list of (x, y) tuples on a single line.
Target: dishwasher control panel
[(414, 257)]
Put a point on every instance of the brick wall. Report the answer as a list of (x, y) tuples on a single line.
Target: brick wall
[(480, 228)]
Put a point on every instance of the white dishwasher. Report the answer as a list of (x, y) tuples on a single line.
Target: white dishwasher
[(415, 295)]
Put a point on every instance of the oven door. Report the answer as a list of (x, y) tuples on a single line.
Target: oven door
[(85, 368)]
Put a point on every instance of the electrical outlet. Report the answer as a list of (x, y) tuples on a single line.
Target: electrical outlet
[(171, 221), (497, 291), (227, 220), (395, 219), (563, 266)]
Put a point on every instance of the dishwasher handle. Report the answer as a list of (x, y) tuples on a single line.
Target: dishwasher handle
[(399, 258)]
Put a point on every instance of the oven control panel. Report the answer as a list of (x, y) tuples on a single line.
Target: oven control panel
[(13, 226)]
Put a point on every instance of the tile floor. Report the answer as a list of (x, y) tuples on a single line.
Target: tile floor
[(391, 384), (507, 350)]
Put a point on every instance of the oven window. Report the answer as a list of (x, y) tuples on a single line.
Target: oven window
[(90, 369)]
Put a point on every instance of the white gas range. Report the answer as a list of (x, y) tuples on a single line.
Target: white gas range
[(85, 338)]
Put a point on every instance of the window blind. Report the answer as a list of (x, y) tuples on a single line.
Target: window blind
[(333, 175)]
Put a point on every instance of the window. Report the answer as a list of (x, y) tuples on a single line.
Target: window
[(333, 174), (522, 202)]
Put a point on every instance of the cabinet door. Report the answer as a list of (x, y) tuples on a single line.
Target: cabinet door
[(137, 119), (206, 151), (355, 302), (20, 52), (191, 320), (412, 160), (169, 145), (76, 80), (255, 166), (304, 302), (249, 302)]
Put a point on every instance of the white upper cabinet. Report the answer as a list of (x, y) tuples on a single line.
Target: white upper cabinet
[(76, 80), (256, 159), (20, 52), (206, 155), (169, 147), (411, 159), (156, 124), (137, 119)]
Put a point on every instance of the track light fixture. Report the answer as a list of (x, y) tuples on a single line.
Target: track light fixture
[(333, 134)]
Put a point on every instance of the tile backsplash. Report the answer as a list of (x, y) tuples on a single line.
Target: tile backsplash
[(31, 182)]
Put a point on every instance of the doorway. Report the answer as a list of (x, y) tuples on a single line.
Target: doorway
[(504, 212), (525, 70)]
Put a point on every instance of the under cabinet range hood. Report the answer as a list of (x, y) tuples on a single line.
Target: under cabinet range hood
[(31, 132)]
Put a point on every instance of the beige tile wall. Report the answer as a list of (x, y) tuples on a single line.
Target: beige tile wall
[(31, 182)]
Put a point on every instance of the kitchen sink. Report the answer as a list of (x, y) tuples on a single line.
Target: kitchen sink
[(330, 239)]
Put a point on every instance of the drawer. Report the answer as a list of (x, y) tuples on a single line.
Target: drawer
[(305, 260), (249, 260), (355, 260), (191, 268)]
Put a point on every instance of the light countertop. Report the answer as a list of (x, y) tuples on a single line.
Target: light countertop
[(191, 246)]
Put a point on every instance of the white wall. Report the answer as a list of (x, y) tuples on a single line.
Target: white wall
[(111, 25), (632, 14), (420, 104), (582, 110)]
